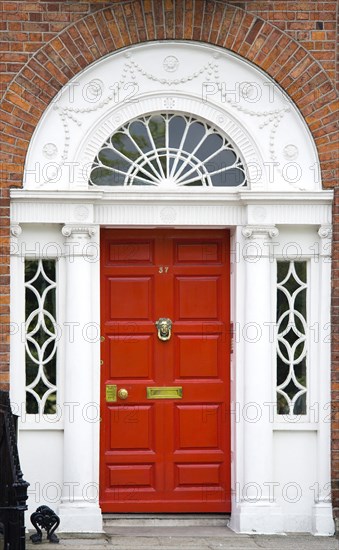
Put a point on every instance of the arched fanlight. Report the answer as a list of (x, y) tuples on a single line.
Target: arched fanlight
[(168, 150)]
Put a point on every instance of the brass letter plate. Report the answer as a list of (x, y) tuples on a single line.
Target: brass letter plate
[(111, 393), (174, 392)]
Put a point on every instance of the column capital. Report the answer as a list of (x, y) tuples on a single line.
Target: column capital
[(15, 232), (325, 231), (325, 234), (262, 232), (79, 242), (78, 231)]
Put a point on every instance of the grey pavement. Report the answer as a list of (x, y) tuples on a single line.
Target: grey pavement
[(188, 538)]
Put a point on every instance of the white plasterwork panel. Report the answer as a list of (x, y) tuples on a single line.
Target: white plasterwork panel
[(209, 82)]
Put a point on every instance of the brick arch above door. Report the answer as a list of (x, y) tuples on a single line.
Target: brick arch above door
[(124, 24)]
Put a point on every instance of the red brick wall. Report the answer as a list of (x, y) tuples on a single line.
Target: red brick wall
[(43, 43), (312, 24)]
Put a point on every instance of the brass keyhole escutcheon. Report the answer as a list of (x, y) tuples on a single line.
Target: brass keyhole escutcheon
[(164, 326), (123, 394)]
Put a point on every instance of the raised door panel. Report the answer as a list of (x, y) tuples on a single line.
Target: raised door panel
[(197, 298), (131, 298), (131, 355)]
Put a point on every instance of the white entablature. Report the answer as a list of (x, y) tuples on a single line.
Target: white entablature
[(206, 82)]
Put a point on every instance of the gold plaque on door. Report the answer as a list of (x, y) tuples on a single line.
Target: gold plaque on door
[(173, 392), (111, 393)]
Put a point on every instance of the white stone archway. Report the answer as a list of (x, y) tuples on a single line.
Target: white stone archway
[(282, 204)]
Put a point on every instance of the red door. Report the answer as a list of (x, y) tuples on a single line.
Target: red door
[(165, 441)]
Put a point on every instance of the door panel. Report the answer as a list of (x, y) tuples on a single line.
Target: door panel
[(172, 454), (131, 361), (197, 297), (139, 294)]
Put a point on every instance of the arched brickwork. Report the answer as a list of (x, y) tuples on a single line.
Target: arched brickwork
[(123, 24)]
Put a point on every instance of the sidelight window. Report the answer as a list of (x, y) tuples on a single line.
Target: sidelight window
[(40, 336), (291, 337)]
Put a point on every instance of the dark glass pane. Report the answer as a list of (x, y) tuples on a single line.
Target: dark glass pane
[(299, 324), (300, 302), (31, 267), (50, 405), (282, 405), (163, 162), (194, 175), (31, 404), (283, 350), (40, 283), (183, 169), (33, 349), (49, 305), (291, 284), (283, 324), (31, 370), (139, 134), (211, 144), (144, 181), (228, 178), (291, 337), (177, 125), (282, 307), (301, 270), (282, 270), (194, 135), (300, 372), (104, 176), (223, 159), (49, 269), (123, 143), (282, 371), (40, 388), (31, 305), (291, 389), (157, 128), (113, 159), (300, 405), (50, 370), (298, 351), (49, 350)]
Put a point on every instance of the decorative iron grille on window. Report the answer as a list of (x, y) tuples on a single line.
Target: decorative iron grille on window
[(168, 150), (291, 337), (41, 336)]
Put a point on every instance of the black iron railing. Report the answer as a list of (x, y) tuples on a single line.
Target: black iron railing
[(13, 488)]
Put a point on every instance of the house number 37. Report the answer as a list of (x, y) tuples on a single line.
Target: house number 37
[(163, 268)]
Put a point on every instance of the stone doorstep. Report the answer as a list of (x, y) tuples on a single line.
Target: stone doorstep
[(165, 520), (189, 532)]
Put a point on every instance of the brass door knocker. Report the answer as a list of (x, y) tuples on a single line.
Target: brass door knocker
[(164, 327)]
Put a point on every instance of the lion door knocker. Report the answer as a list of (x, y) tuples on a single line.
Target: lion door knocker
[(164, 327)]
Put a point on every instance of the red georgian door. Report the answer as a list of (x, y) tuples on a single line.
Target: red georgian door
[(165, 441)]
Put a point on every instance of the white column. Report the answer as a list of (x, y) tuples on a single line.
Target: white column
[(322, 514), (79, 510), (256, 510), (17, 356)]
